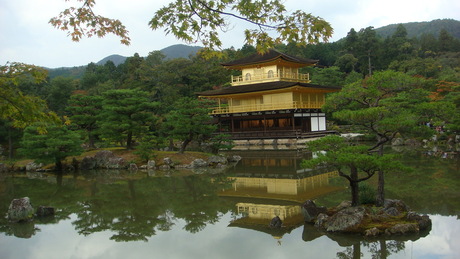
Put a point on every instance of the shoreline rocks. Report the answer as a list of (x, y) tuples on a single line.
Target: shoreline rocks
[(394, 218)]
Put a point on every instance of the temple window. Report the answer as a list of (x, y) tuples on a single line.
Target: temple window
[(248, 76), (270, 74)]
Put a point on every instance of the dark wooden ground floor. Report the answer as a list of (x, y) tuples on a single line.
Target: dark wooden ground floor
[(273, 124)]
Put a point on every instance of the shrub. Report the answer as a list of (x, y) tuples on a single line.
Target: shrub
[(367, 194)]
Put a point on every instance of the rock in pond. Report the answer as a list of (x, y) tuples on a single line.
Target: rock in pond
[(310, 211), (45, 211), (276, 222), (346, 219), (20, 210)]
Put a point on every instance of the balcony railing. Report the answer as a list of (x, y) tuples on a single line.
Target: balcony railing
[(270, 77), (268, 107)]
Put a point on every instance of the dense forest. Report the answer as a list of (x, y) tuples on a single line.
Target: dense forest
[(145, 102)]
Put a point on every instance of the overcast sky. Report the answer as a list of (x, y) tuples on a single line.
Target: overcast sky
[(26, 36)]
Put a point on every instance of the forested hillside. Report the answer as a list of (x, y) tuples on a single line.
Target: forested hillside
[(171, 52), (140, 103), (418, 29)]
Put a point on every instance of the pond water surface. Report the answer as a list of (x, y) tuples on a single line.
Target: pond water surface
[(186, 214)]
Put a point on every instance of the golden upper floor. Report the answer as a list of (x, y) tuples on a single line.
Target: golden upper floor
[(271, 81), (268, 97), (269, 67)]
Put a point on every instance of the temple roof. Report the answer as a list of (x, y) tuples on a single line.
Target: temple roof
[(263, 87), (270, 56)]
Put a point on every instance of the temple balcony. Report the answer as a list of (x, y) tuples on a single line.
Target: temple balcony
[(270, 77), (268, 107)]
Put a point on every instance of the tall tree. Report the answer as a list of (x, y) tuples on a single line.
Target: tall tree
[(367, 48), (189, 121), (52, 147), (84, 109), (351, 42), (385, 104), (15, 106), (201, 20), (126, 113), (58, 92), (353, 162)]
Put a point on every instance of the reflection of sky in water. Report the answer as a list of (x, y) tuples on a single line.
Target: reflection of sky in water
[(215, 241)]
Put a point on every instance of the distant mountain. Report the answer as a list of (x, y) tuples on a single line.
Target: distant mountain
[(73, 72), (180, 51), (171, 52), (116, 59), (416, 29)]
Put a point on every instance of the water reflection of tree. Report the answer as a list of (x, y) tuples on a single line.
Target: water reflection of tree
[(136, 209), (133, 207), (51, 191), (380, 249)]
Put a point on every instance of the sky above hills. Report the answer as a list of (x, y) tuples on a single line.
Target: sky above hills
[(26, 36)]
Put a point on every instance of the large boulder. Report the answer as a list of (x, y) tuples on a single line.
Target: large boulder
[(102, 158), (168, 161), (88, 163), (310, 211), (395, 207), (397, 142), (217, 160), (233, 158), (401, 229), (132, 167), (151, 164), (116, 163), (106, 159), (423, 221), (198, 163), (346, 219), (32, 166), (20, 210)]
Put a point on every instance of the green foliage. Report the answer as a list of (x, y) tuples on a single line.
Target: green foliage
[(327, 76), (58, 93), (221, 142), (366, 194), (15, 106), (385, 104), (53, 147), (147, 146), (418, 29), (125, 114), (353, 162), (189, 121), (193, 21), (84, 110)]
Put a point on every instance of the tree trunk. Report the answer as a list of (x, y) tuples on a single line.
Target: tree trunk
[(354, 186), (357, 251), (380, 199), (58, 165), (383, 249), (171, 144), (184, 145), (91, 140), (129, 140), (369, 59), (10, 144)]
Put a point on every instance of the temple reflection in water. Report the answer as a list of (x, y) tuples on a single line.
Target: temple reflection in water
[(272, 183)]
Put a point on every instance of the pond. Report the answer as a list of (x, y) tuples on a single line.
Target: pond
[(185, 214)]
